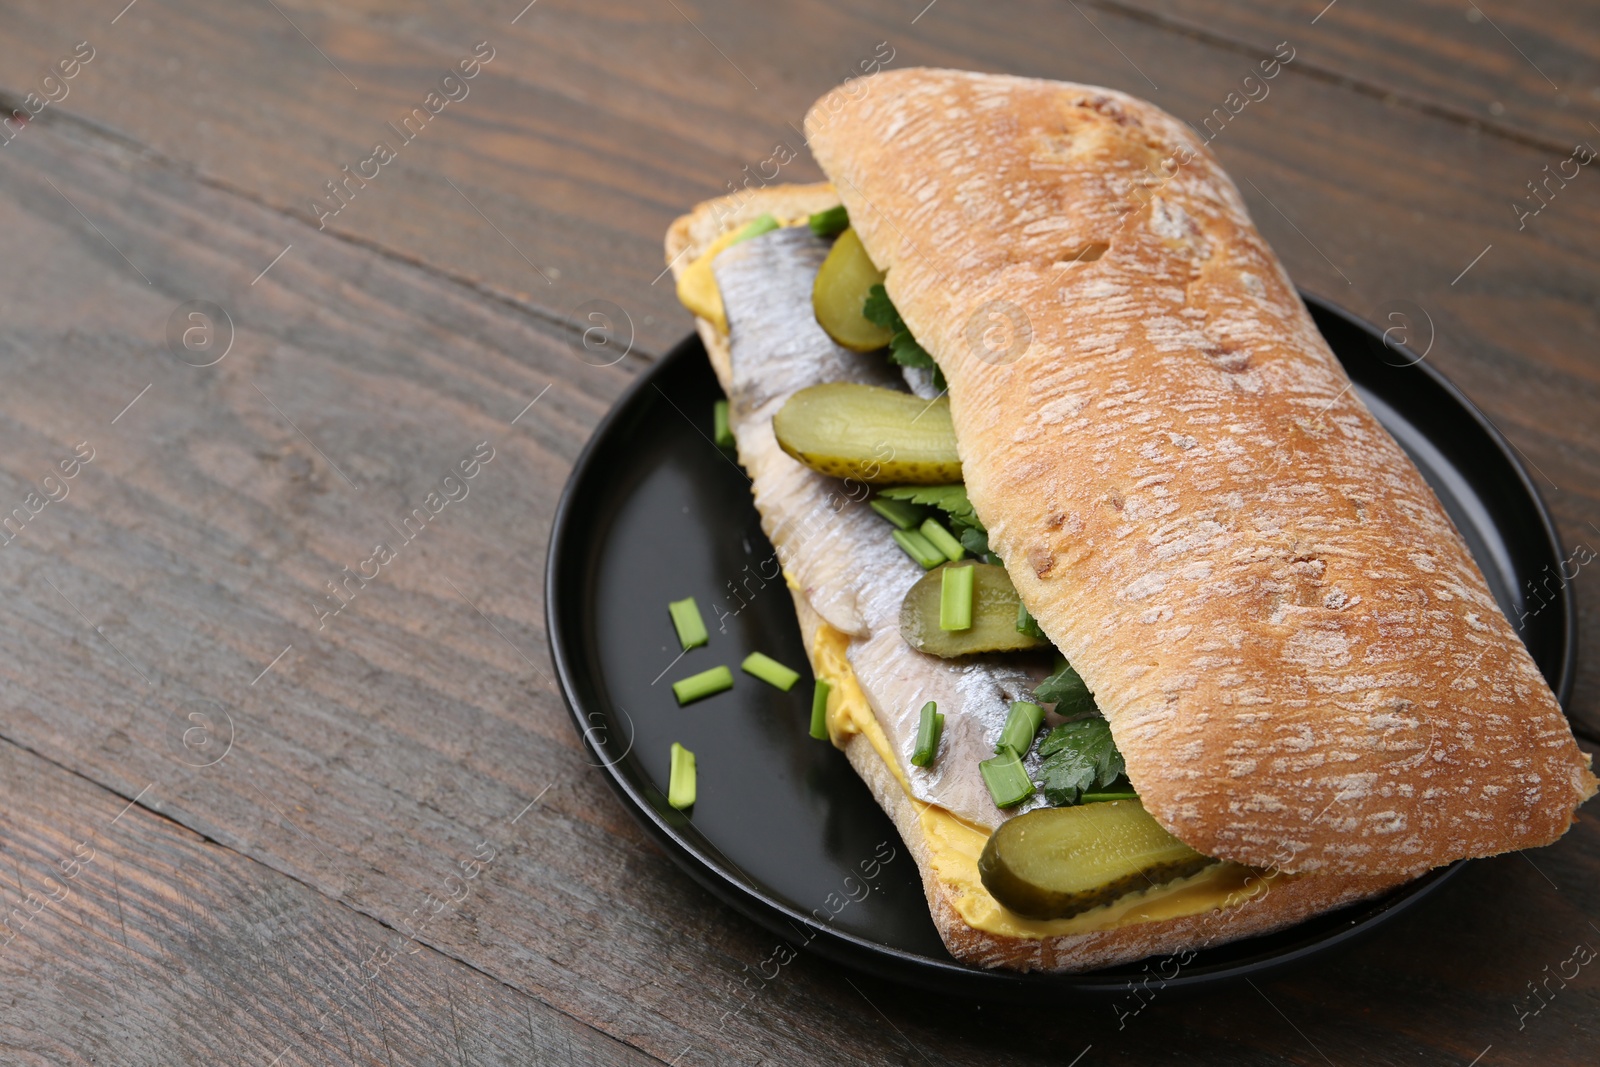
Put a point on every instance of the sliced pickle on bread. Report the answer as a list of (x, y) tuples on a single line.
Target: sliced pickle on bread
[(994, 615), (840, 292), (874, 435), (1053, 863)]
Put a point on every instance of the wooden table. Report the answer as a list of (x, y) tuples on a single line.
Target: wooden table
[(230, 816)]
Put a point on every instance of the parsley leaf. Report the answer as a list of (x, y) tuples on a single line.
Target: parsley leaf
[(880, 310), (1078, 756), (903, 348), (1067, 692), (975, 539), (950, 499)]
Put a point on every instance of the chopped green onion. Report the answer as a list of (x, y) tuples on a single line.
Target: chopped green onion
[(681, 783), (1022, 724), (830, 223), (904, 515), (1007, 779), (918, 548), (687, 621), (770, 671), (1117, 794), (941, 539), (721, 432), (755, 228), (1027, 624), (699, 686), (929, 729), (955, 598), (819, 709)]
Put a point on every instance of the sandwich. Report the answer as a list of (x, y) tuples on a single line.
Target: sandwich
[(1144, 632)]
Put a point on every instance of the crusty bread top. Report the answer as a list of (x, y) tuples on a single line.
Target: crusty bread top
[(1299, 659)]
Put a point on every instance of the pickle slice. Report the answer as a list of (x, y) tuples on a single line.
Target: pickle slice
[(840, 291), (1053, 863), (994, 615), (875, 435)]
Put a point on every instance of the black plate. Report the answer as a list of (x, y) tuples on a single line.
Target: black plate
[(783, 830)]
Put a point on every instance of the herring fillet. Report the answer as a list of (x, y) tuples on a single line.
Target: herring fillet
[(832, 545), (815, 523)]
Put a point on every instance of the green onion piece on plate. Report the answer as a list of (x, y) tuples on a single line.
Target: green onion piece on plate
[(770, 671), (830, 223), (929, 729), (1022, 725), (955, 598), (687, 621), (699, 686), (755, 228), (942, 539), (681, 783), (904, 515), (1007, 779), (721, 432), (918, 548), (819, 709)]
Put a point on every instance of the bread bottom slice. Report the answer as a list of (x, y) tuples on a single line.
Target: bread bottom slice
[(1281, 901)]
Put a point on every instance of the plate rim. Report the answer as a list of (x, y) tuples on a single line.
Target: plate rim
[(897, 964)]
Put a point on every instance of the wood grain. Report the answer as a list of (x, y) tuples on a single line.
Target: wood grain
[(131, 937), (1527, 72), (380, 751), (594, 125)]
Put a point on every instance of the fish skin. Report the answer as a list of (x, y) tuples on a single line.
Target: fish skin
[(834, 547), (975, 696), (920, 381), (821, 527)]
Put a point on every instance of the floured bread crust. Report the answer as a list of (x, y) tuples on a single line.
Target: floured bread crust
[(1299, 659)]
